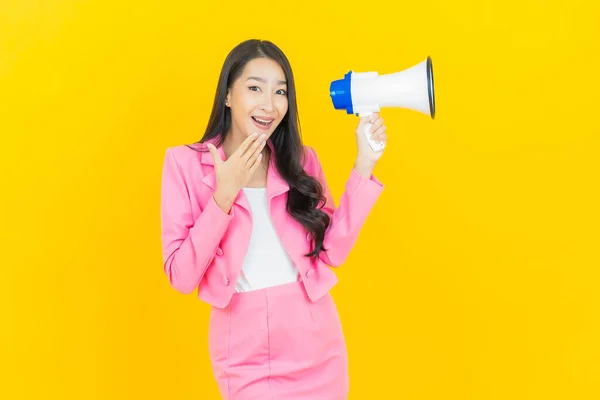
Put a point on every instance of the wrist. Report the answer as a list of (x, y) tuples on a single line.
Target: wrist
[(224, 200), (364, 166)]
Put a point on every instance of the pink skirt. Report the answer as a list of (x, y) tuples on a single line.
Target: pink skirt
[(275, 344)]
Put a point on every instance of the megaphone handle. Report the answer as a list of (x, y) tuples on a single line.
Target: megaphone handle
[(375, 145)]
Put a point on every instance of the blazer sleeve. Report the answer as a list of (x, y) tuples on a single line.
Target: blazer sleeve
[(188, 245), (347, 219)]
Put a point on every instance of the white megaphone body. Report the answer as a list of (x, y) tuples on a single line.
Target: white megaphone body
[(363, 93)]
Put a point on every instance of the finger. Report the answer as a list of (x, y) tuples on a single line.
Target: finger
[(256, 147), (374, 117), (379, 130), (215, 154), (366, 120), (377, 124), (256, 164), (379, 133), (245, 144), (249, 162)]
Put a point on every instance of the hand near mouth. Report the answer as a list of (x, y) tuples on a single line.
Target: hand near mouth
[(237, 170)]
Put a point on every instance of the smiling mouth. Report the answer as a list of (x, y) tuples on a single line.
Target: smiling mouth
[(263, 121)]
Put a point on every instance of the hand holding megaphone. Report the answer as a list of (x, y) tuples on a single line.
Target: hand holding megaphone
[(370, 132), (364, 93), (371, 136)]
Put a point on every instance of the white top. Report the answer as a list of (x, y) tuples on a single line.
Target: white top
[(267, 262)]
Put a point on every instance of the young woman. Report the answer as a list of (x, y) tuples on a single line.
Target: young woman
[(248, 220)]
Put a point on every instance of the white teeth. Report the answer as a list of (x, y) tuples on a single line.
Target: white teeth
[(261, 120)]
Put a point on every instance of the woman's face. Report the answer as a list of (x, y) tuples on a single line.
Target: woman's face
[(258, 98)]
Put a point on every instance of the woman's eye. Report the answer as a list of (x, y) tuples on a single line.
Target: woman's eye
[(256, 89)]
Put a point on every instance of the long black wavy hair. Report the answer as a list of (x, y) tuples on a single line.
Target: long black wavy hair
[(305, 197)]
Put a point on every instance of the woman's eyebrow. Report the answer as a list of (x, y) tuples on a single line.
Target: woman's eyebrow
[(262, 80)]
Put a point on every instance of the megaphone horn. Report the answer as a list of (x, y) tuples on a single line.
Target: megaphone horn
[(363, 93)]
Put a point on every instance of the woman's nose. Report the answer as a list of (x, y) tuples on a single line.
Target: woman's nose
[(267, 104)]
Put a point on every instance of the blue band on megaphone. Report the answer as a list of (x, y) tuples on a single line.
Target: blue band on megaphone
[(341, 95)]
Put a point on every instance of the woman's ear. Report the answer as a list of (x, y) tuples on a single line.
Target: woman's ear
[(227, 102)]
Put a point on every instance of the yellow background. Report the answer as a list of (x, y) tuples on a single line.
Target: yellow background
[(476, 276)]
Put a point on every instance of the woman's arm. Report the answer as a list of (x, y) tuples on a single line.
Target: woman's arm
[(347, 219), (188, 245)]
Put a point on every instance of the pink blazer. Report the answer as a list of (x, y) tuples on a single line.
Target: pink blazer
[(203, 247)]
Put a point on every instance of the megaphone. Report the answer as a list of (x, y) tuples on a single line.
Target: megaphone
[(363, 93)]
